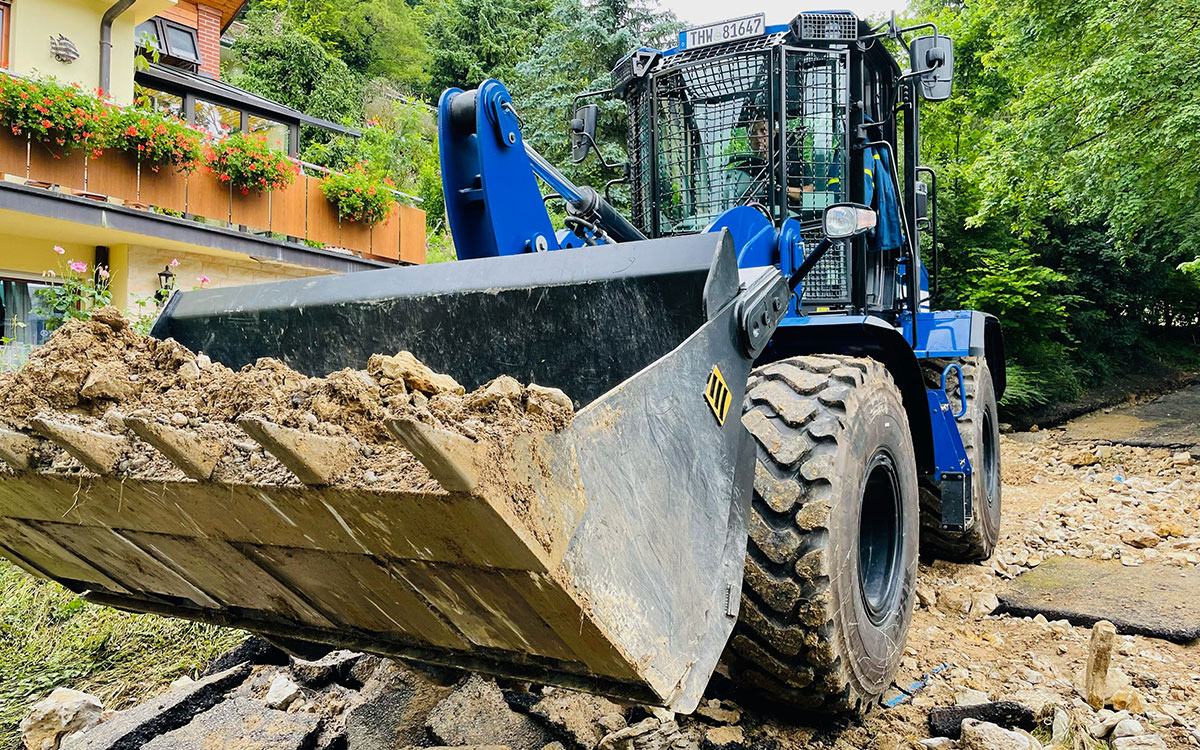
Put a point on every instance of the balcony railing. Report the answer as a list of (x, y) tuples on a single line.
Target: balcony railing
[(300, 210)]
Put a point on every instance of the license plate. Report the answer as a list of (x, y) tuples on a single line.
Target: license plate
[(723, 31)]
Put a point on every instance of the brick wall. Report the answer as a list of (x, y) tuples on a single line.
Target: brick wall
[(208, 27)]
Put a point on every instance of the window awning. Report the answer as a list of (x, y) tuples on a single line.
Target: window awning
[(181, 82)]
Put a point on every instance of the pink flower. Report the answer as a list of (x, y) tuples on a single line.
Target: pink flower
[(59, 249), (103, 272), (203, 279), (77, 266), (174, 262)]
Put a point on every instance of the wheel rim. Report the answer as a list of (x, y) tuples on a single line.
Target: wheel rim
[(879, 542), (991, 464)]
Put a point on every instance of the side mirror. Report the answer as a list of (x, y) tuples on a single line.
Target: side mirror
[(583, 131), (933, 58)]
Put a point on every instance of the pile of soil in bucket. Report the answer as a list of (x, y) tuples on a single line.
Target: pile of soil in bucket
[(95, 373)]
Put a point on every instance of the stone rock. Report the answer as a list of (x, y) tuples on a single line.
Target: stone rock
[(169, 711), (954, 600), (1169, 529), (721, 713), (937, 743), (649, 734), (282, 693), (951, 721), (332, 667), (1104, 727), (502, 388), (926, 596), (1128, 728), (109, 380), (1060, 727), (253, 650), (414, 373), (576, 716), (241, 723), (1141, 539), (965, 696), (984, 603), (724, 738), (1128, 699), (543, 400), (1141, 742), (982, 735), (393, 702), (58, 715), (476, 714)]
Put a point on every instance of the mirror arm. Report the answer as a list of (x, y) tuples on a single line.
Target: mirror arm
[(595, 147)]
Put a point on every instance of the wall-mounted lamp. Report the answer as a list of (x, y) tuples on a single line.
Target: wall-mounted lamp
[(166, 285), (63, 49)]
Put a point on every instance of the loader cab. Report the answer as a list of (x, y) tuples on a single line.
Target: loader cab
[(789, 119)]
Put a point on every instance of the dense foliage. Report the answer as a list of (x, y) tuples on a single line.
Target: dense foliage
[(1066, 182), (1064, 156)]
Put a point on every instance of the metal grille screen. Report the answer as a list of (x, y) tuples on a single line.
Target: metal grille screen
[(755, 123)]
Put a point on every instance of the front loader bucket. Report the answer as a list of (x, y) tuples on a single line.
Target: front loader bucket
[(605, 556)]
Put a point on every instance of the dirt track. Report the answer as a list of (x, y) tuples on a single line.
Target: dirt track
[(1061, 497)]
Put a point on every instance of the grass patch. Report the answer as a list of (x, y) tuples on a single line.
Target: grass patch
[(51, 638)]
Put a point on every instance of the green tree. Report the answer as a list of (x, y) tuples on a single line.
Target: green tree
[(375, 38), (578, 55), (275, 59), (473, 40)]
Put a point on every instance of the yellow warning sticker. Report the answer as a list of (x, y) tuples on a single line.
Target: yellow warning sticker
[(717, 394)]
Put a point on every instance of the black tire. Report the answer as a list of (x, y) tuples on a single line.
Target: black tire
[(980, 431), (827, 599)]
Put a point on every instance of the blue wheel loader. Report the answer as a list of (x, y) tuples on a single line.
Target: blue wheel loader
[(772, 423)]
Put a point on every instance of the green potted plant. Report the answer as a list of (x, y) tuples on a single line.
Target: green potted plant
[(247, 163), (358, 195), (154, 139), (61, 117)]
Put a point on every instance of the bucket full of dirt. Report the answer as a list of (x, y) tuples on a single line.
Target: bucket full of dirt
[(524, 466)]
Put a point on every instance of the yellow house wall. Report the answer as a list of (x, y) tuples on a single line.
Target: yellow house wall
[(26, 258), (134, 269), (34, 22), (142, 264)]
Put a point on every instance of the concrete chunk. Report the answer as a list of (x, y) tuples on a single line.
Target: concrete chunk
[(242, 724), (476, 714), (171, 710), (948, 721), (57, 716), (333, 667)]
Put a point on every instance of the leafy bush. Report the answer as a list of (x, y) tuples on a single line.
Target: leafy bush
[(248, 163), (154, 138), (52, 113), (359, 196), (73, 294)]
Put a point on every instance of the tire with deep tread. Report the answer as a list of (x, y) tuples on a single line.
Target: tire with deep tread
[(980, 431), (804, 637)]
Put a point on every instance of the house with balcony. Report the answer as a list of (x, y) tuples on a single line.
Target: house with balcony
[(150, 228)]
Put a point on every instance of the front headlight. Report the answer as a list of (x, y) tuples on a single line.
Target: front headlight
[(844, 220)]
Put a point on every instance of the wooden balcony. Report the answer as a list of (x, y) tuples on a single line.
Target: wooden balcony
[(300, 211)]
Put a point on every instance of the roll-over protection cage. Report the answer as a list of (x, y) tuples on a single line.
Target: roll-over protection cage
[(771, 121)]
